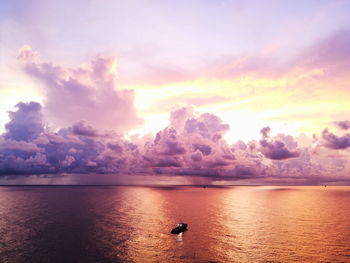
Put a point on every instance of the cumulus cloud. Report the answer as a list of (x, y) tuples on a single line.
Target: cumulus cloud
[(81, 128), (86, 93), (179, 117), (192, 145), (197, 148), (20, 146), (333, 141), (26, 123), (276, 149), (207, 125)]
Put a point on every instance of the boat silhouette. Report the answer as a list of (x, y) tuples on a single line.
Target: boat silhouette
[(181, 227)]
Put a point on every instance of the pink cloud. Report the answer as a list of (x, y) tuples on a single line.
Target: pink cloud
[(85, 93)]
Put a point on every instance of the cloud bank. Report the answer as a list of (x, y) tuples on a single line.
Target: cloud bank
[(192, 145)]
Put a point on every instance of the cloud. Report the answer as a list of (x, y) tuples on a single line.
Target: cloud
[(331, 53), (275, 148), (207, 125), (335, 142), (196, 148), (87, 93), (193, 145), (179, 117), (168, 142), (265, 132), (20, 146), (329, 57), (344, 125), (80, 148), (81, 128), (26, 123), (26, 54)]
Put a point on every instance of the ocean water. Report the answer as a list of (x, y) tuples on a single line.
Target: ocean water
[(132, 224)]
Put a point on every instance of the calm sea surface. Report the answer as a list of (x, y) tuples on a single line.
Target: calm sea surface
[(132, 224)]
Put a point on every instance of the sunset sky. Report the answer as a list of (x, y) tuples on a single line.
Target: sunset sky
[(188, 91)]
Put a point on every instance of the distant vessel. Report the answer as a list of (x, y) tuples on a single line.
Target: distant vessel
[(181, 227)]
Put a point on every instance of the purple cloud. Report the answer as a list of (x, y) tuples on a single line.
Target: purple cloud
[(167, 142), (81, 128), (265, 132), (204, 149), (207, 125), (344, 125), (20, 146), (334, 142), (77, 149), (195, 148), (26, 123), (276, 149)]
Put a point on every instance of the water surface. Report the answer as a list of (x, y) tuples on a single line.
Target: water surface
[(132, 224)]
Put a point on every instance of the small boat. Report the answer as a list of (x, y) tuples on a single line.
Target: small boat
[(181, 227)]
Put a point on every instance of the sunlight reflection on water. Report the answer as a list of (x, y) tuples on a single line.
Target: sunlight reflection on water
[(132, 224)]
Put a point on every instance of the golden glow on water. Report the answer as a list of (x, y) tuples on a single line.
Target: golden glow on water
[(288, 224), (147, 207), (132, 224), (248, 224)]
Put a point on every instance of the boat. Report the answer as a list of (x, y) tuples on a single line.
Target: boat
[(181, 227)]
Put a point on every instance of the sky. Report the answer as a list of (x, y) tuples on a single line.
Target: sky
[(163, 92)]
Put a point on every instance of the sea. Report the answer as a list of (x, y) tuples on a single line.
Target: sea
[(132, 224)]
